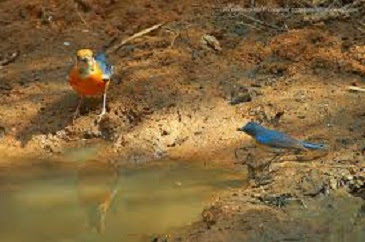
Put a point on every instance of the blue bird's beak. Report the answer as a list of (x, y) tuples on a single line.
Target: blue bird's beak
[(240, 129)]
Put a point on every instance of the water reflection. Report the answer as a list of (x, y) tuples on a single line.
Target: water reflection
[(97, 186), (91, 200)]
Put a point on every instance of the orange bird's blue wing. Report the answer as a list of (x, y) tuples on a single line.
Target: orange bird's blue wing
[(105, 67)]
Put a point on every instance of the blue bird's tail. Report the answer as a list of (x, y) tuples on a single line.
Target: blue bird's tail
[(312, 146)]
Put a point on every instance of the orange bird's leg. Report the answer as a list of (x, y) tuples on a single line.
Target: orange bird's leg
[(103, 109), (77, 111)]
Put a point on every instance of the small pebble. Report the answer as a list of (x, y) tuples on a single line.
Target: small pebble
[(179, 184), (349, 178), (333, 184), (66, 43), (2, 132)]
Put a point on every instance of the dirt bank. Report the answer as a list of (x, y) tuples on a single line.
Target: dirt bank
[(177, 96)]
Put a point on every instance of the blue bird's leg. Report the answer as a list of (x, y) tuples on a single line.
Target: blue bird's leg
[(244, 148), (236, 152), (264, 148), (277, 153), (277, 156)]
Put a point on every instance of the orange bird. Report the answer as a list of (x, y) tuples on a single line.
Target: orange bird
[(90, 76)]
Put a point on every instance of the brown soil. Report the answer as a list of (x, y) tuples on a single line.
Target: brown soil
[(171, 96)]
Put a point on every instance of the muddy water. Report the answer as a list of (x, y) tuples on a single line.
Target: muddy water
[(336, 217), (98, 202)]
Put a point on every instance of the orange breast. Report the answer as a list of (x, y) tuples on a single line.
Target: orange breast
[(91, 86)]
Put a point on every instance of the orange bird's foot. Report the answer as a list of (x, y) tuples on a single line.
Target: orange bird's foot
[(100, 116), (75, 115)]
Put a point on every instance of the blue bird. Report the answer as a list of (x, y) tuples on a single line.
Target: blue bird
[(276, 139)]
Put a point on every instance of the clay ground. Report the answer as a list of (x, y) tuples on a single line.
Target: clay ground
[(176, 96)]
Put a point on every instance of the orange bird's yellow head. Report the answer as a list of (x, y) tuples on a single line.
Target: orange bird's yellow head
[(85, 61), (84, 53)]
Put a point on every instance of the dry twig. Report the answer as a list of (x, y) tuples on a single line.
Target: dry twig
[(175, 36), (261, 22), (352, 88), (86, 6), (139, 34), (8, 60), (257, 27), (79, 14), (360, 29), (5, 21)]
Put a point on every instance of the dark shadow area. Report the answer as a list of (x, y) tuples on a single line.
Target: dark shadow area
[(50, 118)]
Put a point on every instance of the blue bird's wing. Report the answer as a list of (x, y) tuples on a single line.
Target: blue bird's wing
[(277, 139), (104, 66)]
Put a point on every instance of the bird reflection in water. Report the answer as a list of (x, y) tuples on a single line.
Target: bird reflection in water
[(97, 186)]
